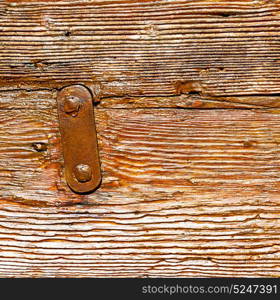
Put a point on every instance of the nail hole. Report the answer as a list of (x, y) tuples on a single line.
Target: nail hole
[(67, 33), (39, 147)]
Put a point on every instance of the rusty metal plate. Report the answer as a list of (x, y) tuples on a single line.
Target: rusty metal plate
[(78, 134)]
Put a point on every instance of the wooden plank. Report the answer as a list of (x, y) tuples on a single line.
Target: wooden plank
[(191, 151), (184, 193), (29, 99), (142, 48), (157, 240)]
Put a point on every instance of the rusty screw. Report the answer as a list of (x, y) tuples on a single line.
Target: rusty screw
[(83, 173), (72, 105)]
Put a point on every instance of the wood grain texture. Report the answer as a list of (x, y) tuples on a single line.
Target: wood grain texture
[(30, 99), (142, 48), (184, 193)]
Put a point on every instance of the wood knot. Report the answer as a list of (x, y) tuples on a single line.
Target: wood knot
[(188, 87)]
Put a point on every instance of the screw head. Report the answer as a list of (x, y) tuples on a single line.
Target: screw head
[(72, 105), (83, 173)]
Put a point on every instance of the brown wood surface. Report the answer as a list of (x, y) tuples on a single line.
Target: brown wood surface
[(187, 100), (184, 193), (142, 48)]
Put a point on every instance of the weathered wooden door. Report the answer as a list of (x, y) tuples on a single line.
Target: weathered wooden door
[(187, 97)]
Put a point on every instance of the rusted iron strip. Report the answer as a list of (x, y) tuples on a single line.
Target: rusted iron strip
[(78, 133)]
